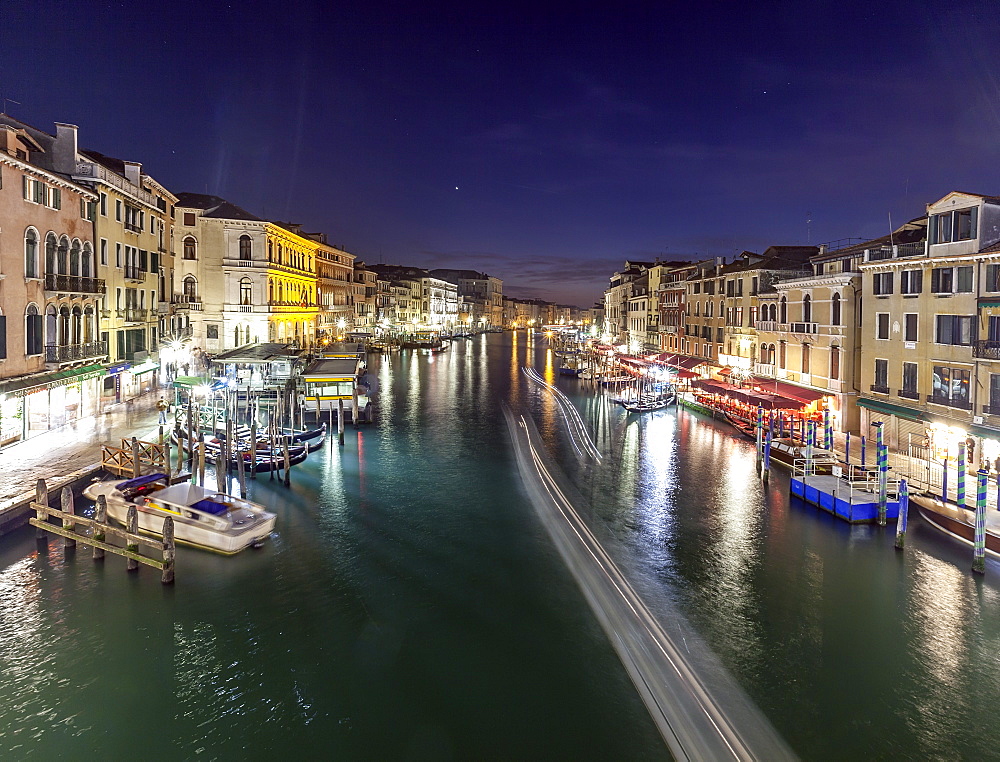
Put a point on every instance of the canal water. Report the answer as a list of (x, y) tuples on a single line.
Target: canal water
[(410, 606)]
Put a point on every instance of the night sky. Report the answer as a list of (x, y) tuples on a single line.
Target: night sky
[(541, 142)]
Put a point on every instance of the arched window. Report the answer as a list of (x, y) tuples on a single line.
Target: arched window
[(62, 254), (783, 318), (190, 288), (782, 347), (834, 362), (50, 253), (835, 311), (270, 251), (30, 254), (88, 325), (87, 262), (32, 331), (64, 326), (245, 247), (805, 358), (246, 291), (76, 326), (774, 313), (74, 258), (281, 253), (807, 309), (190, 248)]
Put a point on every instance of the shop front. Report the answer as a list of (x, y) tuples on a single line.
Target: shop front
[(31, 405)]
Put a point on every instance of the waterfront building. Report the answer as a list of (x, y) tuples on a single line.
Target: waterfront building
[(616, 300), (482, 292), (705, 307), (637, 315), (746, 278), (51, 354), (267, 292), (806, 333), (334, 291), (930, 331), (670, 301), (365, 290)]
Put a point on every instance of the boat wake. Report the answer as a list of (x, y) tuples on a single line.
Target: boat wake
[(688, 713), (578, 434)]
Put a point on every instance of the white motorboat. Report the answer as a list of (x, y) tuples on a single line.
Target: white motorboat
[(202, 517)]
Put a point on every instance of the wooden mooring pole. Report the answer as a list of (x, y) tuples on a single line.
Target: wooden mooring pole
[(99, 529), (340, 421), (42, 498), (66, 502)]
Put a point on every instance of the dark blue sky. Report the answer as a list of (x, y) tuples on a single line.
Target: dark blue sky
[(541, 142)]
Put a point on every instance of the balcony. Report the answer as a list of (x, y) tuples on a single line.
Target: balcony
[(178, 335), (768, 325), (764, 369), (802, 327), (987, 349), (878, 389), (132, 314), (909, 394), (239, 262), (960, 404), (133, 272), (71, 352), (86, 170), (74, 284), (186, 301), (900, 251)]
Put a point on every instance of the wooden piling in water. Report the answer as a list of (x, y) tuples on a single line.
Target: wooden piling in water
[(132, 527), (190, 438), (101, 516), (241, 471), (136, 465), (354, 405), (340, 421), (253, 448), (41, 497), (288, 465), (201, 460), (270, 434), (904, 503), (169, 551), (66, 503)]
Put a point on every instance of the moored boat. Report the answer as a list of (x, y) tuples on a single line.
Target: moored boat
[(202, 517), (954, 520)]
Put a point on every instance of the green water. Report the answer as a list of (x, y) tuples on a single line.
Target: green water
[(411, 607)]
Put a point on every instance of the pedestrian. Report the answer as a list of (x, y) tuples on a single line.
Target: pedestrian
[(162, 407)]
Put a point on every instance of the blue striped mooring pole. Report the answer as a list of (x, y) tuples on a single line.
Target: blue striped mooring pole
[(960, 499), (882, 462), (904, 504), (979, 544)]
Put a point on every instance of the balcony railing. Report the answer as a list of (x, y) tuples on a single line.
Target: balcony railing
[(879, 389), (910, 394), (89, 171), (768, 325), (987, 349), (74, 284), (179, 334), (763, 369), (133, 272), (899, 251), (187, 301), (303, 305), (133, 314), (70, 352), (938, 399), (802, 327)]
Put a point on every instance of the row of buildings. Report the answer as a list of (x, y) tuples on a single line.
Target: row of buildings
[(106, 275), (903, 329)]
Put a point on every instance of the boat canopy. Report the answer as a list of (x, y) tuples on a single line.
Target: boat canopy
[(139, 481), (210, 506)]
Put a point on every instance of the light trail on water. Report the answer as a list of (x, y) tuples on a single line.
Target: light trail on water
[(691, 720)]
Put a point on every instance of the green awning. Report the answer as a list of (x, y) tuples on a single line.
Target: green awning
[(906, 413), (189, 382), (19, 383)]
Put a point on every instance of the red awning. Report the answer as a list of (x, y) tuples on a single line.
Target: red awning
[(725, 371), (679, 361), (686, 374), (800, 393)]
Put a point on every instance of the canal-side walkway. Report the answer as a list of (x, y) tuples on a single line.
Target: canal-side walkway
[(74, 449)]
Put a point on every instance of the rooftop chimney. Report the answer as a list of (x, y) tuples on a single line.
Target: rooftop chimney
[(132, 172), (64, 149)]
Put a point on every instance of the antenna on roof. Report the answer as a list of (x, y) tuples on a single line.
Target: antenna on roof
[(890, 228), (10, 100)]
